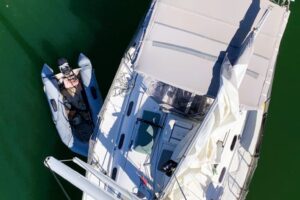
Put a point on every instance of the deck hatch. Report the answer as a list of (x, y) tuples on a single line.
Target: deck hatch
[(147, 130), (165, 156)]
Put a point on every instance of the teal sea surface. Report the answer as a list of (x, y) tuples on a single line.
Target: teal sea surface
[(35, 32)]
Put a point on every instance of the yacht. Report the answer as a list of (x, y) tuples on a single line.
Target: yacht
[(184, 117)]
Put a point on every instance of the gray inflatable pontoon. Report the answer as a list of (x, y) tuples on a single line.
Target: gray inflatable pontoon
[(74, 100)]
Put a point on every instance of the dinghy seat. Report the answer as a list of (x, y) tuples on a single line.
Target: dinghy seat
[(147, 131)]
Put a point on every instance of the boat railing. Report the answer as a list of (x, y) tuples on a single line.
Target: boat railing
[(249, 176), (245, 187), (254, 160), (142, 32), (285, 3)]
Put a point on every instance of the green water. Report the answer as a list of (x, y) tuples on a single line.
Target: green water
[(33, 32)]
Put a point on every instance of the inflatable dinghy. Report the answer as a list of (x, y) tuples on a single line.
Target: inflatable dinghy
[(75, 101)]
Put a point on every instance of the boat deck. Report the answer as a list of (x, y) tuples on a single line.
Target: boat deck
[(143, 127)]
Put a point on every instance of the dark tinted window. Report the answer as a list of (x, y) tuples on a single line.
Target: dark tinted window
[(130, 106), (114, 173), (233, 143), (222, 174), (121, 141)]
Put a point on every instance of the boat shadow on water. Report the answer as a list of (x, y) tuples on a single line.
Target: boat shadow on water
[(113, 24)]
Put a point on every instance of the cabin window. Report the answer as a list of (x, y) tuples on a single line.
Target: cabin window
[(222, 174), (121, 141), (114, 173), (233, 143), (53, 104), (178, 100), (130, 106), (93, 92)]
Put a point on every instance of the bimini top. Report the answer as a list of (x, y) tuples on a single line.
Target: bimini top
[(186, 41)]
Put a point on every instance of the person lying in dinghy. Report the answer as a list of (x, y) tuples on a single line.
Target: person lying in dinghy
[(73, 100)]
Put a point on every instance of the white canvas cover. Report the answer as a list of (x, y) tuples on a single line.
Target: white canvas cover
[(185, 40)]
